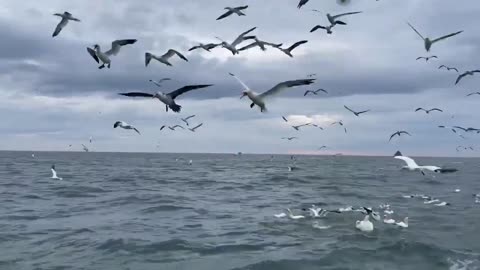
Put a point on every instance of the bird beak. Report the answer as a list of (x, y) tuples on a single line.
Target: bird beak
[(243, 95)]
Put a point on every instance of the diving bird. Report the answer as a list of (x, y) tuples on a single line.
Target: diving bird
[(428, 111), (302, 3), (354, 112), (232, 46), (66, 16), (207, 47), (448, 68), (399, 133), (168, 99), (261, 44), (326, 28), (467, 73), (297, 128), (333, 19), (164, 58), (428, 42), (289, 138), (125, 126), (426, 58), (98, 55), (259, 99), (159, 82), (185, 120), (195, 128), (413, 166), (288, 51), (85, 148), (315, 92), (231, 10), (54, 173)]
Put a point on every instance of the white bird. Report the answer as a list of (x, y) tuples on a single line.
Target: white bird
[(364, 225), (185, 120), (457, 190), (281, 215), (288, 51), (207, 47), (125, 126), (431, 200), (317, 225), (232, 46), (292, 216), (259, 99), (194, 128), (231, 10), (190, 162), (85, 148), (66, 16), (333, 19), (164, 58), (54, 173), (442, 204), (428, 42), (388, 212), (159, 82), (315, 211), (326, 28), (403, 224), (388, 220), (98, 55), (261, 44), (413, 166)]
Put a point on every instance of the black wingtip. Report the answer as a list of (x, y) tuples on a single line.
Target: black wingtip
[(398, 154)]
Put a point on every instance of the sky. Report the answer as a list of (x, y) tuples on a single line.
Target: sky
[(52, 95)]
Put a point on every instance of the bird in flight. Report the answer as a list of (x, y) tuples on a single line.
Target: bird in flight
[(185, 120), (399, 133), (207, 47), (354, 112), (97, 54), (231, 10), (66, 16), (333, 19), (474, 93), (259, 99), (315, 92), (339, 123), (288, 51), (413, 166), (125, 126), (448, 68), (285, 119), (322, 147), (326, 28), (159, 82), (428, 111), (168, 99), (302, 3), (429, 42), (289, 138), (175, 127), (164, 58), (466, 73), (297, 128), (426, 58), (261, 44), (54, 173), (232, 46), (195, 128)]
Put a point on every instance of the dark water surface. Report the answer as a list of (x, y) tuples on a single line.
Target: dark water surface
[(149, 211)]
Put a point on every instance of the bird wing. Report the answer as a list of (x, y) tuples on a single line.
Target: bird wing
[(137, 94), (418, 33), (296, 44), (460, 77), (349, 109), (323, 90), (249, 46), (93, 54), (442, 66), (316, 27), (404, 132), (118, 123), (345, 14), (284, 119), (54, 173), (191, 116), (410, 162), (446, 36), (306, 93), (436, 109), (136, 130), (285, 85), (421, 57), (462, 128), (162, 127), (187, 88), (224, 15), (194, 48), (240, 38), (240, 81), (172, 52), (60, 26), (194, 128), (302, 3), (454, 69), (117, 44), (420, 109), (363, 111)]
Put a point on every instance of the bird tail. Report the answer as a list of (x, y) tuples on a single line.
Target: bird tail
[(175, 107), (148, 58), (446, 170)]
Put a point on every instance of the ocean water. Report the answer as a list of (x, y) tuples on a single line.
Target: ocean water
[(151, 211)]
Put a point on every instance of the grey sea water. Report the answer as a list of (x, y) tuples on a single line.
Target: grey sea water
[(150, 211)]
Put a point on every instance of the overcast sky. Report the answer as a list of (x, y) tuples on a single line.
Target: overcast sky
[(52, 94)]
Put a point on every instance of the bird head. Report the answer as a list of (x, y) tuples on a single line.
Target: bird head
[(244, 93), (96, 47)]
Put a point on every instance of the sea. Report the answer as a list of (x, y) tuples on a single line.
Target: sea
[(119, 211)]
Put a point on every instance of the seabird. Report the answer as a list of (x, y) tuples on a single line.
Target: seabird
[(448, 68), (159, 82), (399, 133), (327, 28), (125, 126), (90, 139), (259, 99), (333, 19), (207, 47), (322, 147), (289, 50), (466, 73), (232, 46), (292, 216), (442, 204), (261, 44), (428, 111), (315, 92), (168, 99), (54, 173), (289, 138), (403, 224), (66, 16), (85, 148), (474, 93), (185, 120), (302, 3), (428, 42), (317, 126), (173, 128), (164, 58), (162, 127), (280, 215), (354, 112), (285, 119), (297, 128), (427, 57), (194, 128), (388, 220), (364, 225), (231, 10), (339, 123), (412, 165), (98, 55)]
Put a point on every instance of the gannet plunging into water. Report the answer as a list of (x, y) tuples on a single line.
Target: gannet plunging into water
[(164, 58), (231, 10), (412, 165), (428, 42), (54, 173), (125, 126), (364, 225), (66, 16), (232, 46), (168, 99), (98, 55), (259, 99)]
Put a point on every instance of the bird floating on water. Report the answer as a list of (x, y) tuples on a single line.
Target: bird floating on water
[(54, 173), (364, 225), (66, 17)]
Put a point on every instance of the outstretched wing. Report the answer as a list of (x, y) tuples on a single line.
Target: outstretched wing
[(224, 15), (117, 44), (316, 27), (172, 52), (93, 54), (240, 81), (419, 109), (460, 77), (187, 88), (410, 162), (241, 37), (436, 109), (446, 36), (285, 85), (60, 26), (296, 44), (418, 33), (249, 46), (137, 94), (194, 128), (345, 14), (349, 109)]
